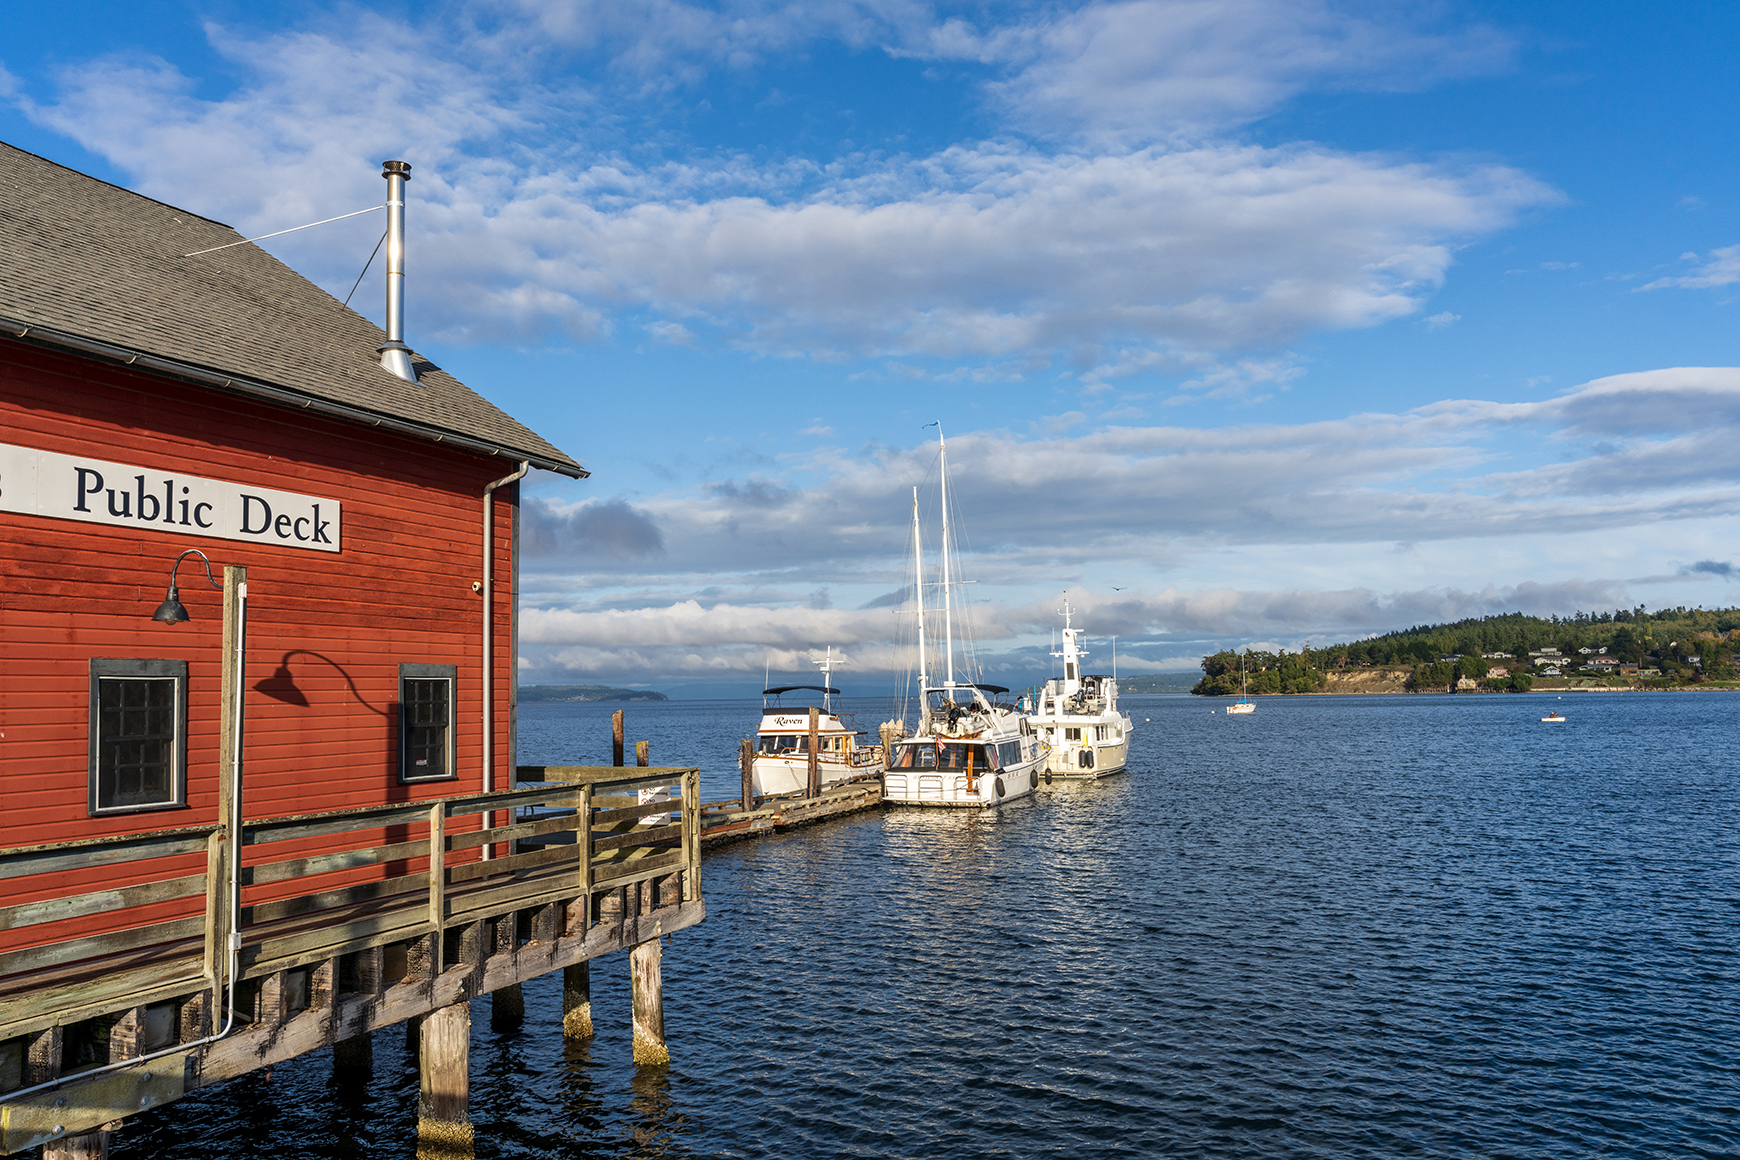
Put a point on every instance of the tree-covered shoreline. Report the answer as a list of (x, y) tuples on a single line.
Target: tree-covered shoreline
[(1672, 648)]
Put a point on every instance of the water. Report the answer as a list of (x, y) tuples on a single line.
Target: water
[(1341, 927)]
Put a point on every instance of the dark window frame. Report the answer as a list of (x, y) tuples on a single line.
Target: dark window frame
[(450, 674), (110, 668)]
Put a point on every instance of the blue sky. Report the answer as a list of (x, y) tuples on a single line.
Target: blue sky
[(1253, 322)]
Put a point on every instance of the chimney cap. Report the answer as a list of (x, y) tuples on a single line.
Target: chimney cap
[(402, 168)]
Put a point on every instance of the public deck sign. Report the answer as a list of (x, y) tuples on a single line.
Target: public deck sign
[(73, 487)]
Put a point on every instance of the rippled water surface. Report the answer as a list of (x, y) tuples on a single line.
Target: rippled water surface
[(1339, 927)]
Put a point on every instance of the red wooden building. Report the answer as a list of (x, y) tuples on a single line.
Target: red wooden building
[(151, 403)]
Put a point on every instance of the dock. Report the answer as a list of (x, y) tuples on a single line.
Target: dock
[(220, 953), (731, 820)]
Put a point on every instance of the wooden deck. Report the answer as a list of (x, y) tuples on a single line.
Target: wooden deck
[(348, 921)]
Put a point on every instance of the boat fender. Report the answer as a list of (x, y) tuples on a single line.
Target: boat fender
[(1033, 779), (997, 787)]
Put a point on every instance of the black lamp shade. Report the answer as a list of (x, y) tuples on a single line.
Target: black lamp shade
[(171, 610)]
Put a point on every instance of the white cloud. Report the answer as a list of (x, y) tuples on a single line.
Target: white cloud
[(1441, 320), (1721, 268), (1144, 69), (982, 251)]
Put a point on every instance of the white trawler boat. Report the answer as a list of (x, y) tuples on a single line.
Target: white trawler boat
[(968, 751), (782, 747), (1077, 717)]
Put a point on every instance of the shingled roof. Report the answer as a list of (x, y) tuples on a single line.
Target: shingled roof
[(93, 267)]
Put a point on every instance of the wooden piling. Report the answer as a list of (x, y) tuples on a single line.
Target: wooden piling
[(354, 1058), (815, 755), (87, 1146), (444, 1098), (642, 753), (746, 761), (616, 738), (577, 1001), (649, 1005), (507, 1007)]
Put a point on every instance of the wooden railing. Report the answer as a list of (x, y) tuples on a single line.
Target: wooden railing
[(317, 887)]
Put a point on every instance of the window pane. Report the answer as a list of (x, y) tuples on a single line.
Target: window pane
[(135, 741), (427, 712)]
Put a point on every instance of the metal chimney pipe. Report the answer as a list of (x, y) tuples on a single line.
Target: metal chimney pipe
[(395, 355)]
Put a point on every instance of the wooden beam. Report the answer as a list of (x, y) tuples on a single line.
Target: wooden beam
[(815, 780), (616, 738), (746, 765)]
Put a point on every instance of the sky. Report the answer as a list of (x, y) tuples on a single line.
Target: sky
[(1258, 323)]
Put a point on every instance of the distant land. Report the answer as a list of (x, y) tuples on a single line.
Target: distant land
[(586, 693), (1675, 648), (1158, 683)]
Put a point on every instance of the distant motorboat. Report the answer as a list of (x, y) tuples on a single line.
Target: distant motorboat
[(1555, 715)]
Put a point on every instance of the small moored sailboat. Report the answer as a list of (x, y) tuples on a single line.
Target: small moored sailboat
[(1243, 704)]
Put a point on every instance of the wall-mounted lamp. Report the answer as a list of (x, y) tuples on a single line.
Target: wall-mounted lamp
[(171, 611)]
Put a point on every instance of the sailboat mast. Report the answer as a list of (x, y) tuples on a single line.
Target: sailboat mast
[(948, 604), (918, 593)]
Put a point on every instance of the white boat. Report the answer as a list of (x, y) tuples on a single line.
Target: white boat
[(1555, 715), (1077, 717), (1243, 704), (783, 742), (969, 751)]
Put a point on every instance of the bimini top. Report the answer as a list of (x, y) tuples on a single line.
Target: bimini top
[(92, 267), (794, 688), (968, 685)]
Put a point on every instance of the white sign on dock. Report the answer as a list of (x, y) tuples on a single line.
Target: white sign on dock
[(73, 487)]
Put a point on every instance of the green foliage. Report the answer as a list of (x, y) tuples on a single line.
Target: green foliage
[(1664, 638), (1264, 672)]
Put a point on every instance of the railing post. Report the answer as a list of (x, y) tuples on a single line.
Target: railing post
[(583, 843), (692, 835), (438, 880)]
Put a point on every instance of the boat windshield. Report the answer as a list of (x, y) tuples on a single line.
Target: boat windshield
[(947, 755)]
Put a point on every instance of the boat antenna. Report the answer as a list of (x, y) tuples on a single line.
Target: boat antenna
[(766, 677), (826, 664)]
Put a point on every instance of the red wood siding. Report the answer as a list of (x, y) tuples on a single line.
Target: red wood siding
[(330, 629)]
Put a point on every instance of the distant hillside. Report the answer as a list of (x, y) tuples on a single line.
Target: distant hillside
[(1157, 683), (586, 693), (1674, 647)]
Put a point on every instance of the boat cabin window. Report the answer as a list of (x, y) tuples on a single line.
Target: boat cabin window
[(138, 734), (426, 744), (1072, 734), (784, 743)]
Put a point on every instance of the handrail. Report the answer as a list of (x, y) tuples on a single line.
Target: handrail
[(109, 840), (610, 848)]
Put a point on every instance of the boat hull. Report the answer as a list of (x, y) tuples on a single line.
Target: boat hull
[(775, 776), (1088, 762), (953, 789)]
